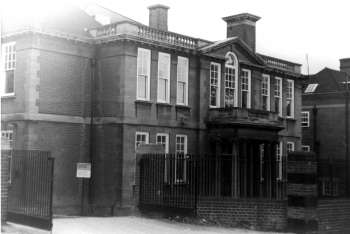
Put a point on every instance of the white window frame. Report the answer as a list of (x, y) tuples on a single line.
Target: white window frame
[(166, 135), (266, 78), (231, 63), (279, 160), (305, 115), (8, 63), (148, 65), (305, 148), (182, 64), (290, 147), (290, 97), (166, 57), (142, 134), (218, 65), (184, 160), (249, 73), (278, 80), (9, 136)]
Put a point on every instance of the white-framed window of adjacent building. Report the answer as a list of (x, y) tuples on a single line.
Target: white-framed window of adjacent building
[(290, 146), (7, 143), (182, 81), (141, 138), (305, 148), (215, 76), (279, 160), (143, 74), (231, 80), (181, 157), (163, 94), (278, 96), (305, 119), (265, 92), (290, 99), (8, 51), (246, 88), (7, 135)]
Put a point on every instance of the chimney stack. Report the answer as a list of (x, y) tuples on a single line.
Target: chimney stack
[(158, 17), (345, 65), (242, 26)]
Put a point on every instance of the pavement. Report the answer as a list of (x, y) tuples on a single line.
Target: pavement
[(122, 225)]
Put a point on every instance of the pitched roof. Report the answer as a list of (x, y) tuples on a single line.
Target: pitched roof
[(328, 80), (222, 43)]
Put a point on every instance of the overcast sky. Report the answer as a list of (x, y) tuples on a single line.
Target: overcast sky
[(288, 29)]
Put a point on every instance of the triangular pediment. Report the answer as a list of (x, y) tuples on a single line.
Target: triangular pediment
[(244, 54)]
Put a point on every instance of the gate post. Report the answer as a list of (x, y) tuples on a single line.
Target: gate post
[(302, 192), (5, 176), (140, 151)]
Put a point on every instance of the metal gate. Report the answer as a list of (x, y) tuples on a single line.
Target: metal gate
[(168, 183), (30, 188)]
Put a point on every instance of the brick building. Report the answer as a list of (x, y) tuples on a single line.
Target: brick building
[(89, 92), (325, 124)]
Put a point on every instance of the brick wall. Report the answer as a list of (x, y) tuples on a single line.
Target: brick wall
[(333, 215), (251, 213)]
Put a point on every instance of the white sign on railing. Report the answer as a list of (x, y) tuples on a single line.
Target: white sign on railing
[(83, 170)]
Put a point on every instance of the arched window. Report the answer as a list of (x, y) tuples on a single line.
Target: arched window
[(231, 80)]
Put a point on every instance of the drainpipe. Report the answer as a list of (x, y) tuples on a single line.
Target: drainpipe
[(347, 175), (91, 130)]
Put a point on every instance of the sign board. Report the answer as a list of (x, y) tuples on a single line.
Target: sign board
[(83, 170)]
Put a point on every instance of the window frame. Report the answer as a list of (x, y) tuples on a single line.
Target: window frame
[(141, 133), (167, 88), (5, 68), (218, 84), (166, 135), (148, 52), (178, 71), (279, 80), (231, 63), (249, 87), (289, 81), (268, 90), (302, 118), (306, 148), (184, 159), (292, 144)]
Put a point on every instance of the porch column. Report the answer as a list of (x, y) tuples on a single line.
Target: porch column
[(268, 169), (217, 167), (235, 181), (244, 169), (273, 170)]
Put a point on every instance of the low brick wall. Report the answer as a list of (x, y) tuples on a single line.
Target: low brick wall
[(334, 215), (250, 213)]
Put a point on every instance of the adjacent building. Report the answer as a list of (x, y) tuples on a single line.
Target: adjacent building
[(92, 92), (325, 125)]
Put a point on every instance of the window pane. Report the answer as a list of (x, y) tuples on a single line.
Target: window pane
[(181, 92), (9, 82), (142, 86), (162, 92)]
